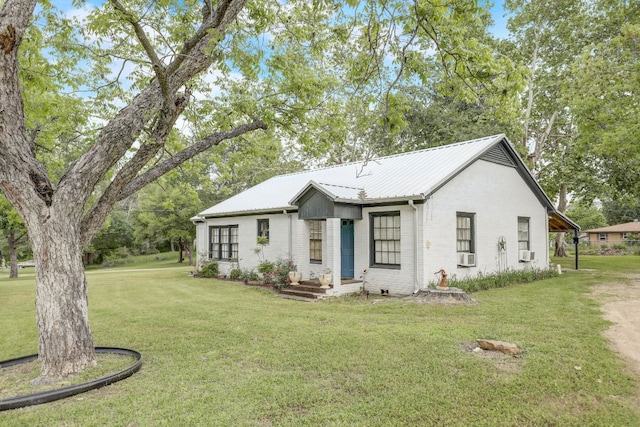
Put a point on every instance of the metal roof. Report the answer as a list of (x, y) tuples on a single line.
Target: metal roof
[(412, 175)]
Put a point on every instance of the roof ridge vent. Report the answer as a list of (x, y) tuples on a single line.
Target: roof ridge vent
[(340, 186)]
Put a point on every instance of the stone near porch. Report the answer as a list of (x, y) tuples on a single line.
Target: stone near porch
[(501, 346)]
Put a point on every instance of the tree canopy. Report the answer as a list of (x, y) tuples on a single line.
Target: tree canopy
[(587, 216), (604, 94)]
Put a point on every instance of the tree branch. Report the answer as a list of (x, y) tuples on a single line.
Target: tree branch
[(188, 153), (147, 151), (444, 52), (125, 128), (124, 184), (157, 65), (530, 89), (226, 11)]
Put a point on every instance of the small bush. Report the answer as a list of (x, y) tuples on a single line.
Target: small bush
[(266, 266), (610, 251), (250, 275), (280, 275), (268, 277), (210, 269), (235, 274), (117, 257)]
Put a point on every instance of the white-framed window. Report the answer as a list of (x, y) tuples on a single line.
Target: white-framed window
[(465, 232), (385, 239), (315, 241), (523, 233), (603, 237), (223, 242)]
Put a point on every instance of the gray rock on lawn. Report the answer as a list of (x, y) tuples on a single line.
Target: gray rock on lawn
[(501, 346)]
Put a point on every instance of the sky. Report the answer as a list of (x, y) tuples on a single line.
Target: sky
[(499, 28)]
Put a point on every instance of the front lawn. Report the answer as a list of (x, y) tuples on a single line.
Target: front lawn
[(223, 354), (624, 264)]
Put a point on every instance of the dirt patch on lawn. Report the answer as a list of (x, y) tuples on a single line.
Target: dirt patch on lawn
[(621, 306)]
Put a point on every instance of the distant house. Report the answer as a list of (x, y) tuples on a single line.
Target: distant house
[(471, 207), (619, 234)]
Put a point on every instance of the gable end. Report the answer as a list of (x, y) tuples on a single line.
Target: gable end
[(316, 205)]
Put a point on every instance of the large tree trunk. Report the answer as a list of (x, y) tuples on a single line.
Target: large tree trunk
[(187, 248), (65, 342), (561, 244), (180, 248), (13, 254), (89, 258)]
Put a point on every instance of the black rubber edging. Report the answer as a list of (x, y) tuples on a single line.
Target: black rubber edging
[(61, 393)]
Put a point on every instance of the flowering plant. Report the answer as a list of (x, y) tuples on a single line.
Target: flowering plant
[(280, 275)]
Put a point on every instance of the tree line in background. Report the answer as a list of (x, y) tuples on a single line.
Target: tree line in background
[(120, 124)]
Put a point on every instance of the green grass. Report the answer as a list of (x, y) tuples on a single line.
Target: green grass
[(625, 264), (18, 380), (223, 354)]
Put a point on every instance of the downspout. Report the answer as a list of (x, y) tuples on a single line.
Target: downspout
[(415, 250), (290, 234)]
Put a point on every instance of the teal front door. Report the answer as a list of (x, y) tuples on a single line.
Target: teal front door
[(346, 248)]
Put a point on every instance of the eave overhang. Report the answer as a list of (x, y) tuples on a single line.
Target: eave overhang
[(558, 223)]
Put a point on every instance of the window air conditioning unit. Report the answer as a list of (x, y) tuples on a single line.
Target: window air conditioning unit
[(466, 259), (526, 256)]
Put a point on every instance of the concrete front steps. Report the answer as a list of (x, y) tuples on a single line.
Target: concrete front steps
[(306, 290)]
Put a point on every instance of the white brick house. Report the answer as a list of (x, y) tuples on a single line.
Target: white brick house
[(467, 208)]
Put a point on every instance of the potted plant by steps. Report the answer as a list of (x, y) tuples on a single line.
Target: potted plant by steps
[(325, 278), (295, 277)]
